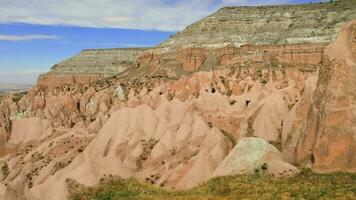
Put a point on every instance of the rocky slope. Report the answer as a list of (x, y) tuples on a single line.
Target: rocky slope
[(184, 61), (166, 132), (176, 118), (297, 24), (91, 65)]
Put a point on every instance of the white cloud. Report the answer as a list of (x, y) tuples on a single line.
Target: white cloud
[(16, 38), (168, 15), (22, 72), (138, 14)]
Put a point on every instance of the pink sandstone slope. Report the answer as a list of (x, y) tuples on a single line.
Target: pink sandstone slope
[(172, 143)]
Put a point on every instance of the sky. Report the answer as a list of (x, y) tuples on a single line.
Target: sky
[(36, 34)]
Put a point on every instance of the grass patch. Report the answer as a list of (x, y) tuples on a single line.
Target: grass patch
[(17, 96), (306, 185), (5, 170)]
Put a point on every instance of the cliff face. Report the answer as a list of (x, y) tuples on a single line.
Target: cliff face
[(184, 61), (285, 34), (313, 23), (91, 65), (99, 61), (329, 142)]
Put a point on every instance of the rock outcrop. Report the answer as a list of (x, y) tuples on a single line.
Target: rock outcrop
[(267, 25), (243, 36), (329, 142), (253, 155), (178, 62), (91, 65), (157, 130)]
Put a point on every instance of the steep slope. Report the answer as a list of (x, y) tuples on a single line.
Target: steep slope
[(286, 24), (176, 63), (164, 132), (329, 142), (91, 65)]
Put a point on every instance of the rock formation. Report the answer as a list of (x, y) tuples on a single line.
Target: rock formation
[(176, 117), (254, 155), (184, 61), (290, 34), (329, 142), (91, 65), (158, 130), (267, 25)]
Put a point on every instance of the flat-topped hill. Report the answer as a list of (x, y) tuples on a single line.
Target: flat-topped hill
[(99, 61), (91, 65), (285, 24)]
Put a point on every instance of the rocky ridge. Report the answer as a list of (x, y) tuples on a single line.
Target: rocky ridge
[(91, 65), (267, 25)]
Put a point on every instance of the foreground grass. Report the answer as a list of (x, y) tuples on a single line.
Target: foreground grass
[(306, 185)]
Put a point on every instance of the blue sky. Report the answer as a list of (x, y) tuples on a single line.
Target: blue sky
[(22, 59), (36, 34)]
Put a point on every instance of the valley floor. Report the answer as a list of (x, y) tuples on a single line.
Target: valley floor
[(306, 185)]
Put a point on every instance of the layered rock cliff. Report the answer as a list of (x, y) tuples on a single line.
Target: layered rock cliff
[(290, 34), (91, 65), (268, 25), (184, 61)]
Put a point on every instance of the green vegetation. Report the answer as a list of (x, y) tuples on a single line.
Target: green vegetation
[(5, 171), (306, 185), (17, 96), (18, 115)]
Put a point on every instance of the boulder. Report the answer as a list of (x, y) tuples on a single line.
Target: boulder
[(254, 155)]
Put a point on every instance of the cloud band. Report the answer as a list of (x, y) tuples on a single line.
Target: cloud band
[(16, 38)]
